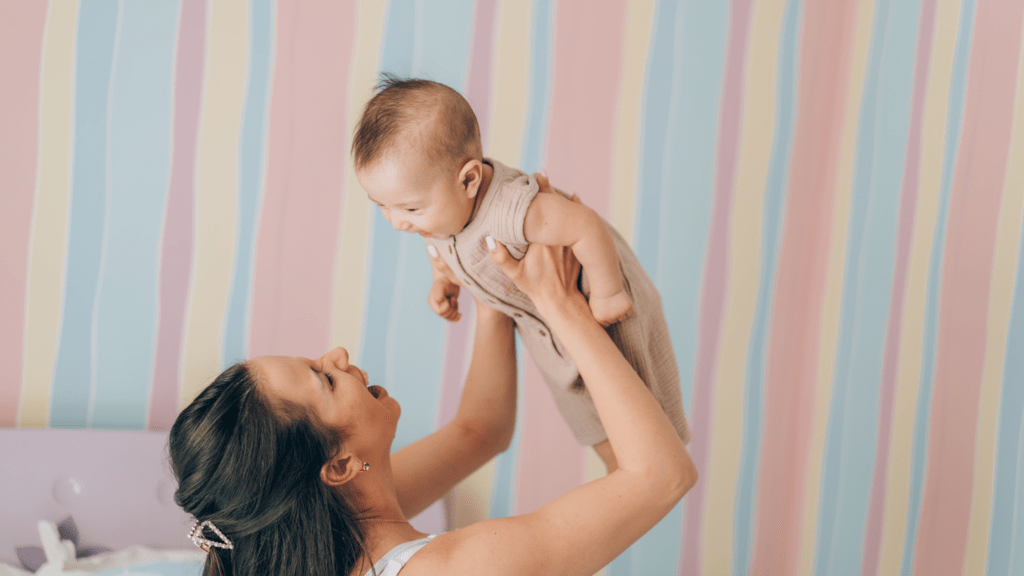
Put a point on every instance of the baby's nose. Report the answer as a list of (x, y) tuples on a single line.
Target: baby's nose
[(399, 224)]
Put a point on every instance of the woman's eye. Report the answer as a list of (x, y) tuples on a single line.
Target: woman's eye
[(329, 380)]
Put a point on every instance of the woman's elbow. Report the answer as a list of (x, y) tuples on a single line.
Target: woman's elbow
[(685, 477)]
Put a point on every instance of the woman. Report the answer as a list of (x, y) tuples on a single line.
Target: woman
[(286, 462)]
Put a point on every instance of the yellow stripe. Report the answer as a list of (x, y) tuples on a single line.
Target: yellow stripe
[(933, 137), (354, 240), (628, 121), (759, 101), (834, 282), (511, 82), (50, 220), (470, 500), (216, 185), (1004, 272)]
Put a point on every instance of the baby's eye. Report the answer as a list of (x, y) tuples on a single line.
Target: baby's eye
[(411, 209)]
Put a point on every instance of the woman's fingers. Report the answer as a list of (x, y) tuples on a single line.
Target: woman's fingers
[(505, 261)]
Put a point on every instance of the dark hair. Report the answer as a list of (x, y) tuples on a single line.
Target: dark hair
[(252, 467), (452, 134)]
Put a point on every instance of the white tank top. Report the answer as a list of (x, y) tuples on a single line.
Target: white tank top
[(395, 559)]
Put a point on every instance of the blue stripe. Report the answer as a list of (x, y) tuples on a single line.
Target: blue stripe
[(404, 339), (1016, 564), (396, 57), (503, 488), (744, 517), (542, 36), (1009, 477), (919, 450), (443, 40), (657, 98), (541, 52), (687, 189), (656, 102), (73, 370), (250, 181), (878, 173), (140, 167)]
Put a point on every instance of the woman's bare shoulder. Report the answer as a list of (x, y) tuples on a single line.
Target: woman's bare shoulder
[(482, 547)]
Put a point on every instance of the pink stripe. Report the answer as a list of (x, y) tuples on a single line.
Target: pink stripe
[(478, 86), (21, 41), (966, 278), (176, 257), (307, 148), (545, 444), (478, 92), (585, 85), (904, 233), (587, 60), (826, 48), (715, 276)]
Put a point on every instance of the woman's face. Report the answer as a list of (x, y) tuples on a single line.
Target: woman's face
[(337, 391)]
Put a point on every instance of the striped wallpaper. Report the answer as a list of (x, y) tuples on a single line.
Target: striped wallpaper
[(829, 196)]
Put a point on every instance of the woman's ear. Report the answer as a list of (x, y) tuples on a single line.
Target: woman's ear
[(339, 470), (470, 177)]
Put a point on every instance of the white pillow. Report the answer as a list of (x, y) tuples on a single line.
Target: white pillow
[(131, 561)]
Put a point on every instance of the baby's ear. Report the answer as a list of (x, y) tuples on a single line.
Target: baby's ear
[(470, 176)]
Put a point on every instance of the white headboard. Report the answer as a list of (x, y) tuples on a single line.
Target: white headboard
[(117, 486)]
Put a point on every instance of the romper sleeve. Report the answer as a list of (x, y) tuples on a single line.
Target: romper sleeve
[(508, 213)]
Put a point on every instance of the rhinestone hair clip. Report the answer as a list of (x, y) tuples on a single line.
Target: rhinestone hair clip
[(196, 536)]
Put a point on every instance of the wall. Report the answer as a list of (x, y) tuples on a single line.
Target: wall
[(828, 195)]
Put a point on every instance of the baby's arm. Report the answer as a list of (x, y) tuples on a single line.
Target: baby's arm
[(554, 220), (444, 291)]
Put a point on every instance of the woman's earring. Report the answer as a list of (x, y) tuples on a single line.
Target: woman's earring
[(366, 466)]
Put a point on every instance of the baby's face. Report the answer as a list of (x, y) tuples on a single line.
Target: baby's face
[(414, 199)]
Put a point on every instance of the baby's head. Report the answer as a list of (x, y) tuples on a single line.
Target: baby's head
[(417, 154)]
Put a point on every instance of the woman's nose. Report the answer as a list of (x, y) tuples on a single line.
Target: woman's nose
[(337, 357)]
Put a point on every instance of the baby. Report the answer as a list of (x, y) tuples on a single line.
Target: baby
[(418, 155)]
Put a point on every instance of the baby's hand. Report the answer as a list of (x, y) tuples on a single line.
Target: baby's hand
[(609, 310), (444, 299), (444, 293)]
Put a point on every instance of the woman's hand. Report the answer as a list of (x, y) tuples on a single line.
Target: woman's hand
[(547, 274)]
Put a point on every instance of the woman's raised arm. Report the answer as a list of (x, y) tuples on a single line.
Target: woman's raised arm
[(586, 528), (426, 470)]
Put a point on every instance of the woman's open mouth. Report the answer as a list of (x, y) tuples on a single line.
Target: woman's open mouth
[(377, 391)]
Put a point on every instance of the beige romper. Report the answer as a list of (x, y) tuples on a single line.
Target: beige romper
[(643, 338)]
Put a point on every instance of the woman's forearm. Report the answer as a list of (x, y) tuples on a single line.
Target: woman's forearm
[(488, 404)]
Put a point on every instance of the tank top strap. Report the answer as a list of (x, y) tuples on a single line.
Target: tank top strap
[(395, 559)]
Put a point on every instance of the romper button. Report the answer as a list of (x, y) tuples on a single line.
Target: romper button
[(449, 248), (466, 280), (543, 333), (517, 314)]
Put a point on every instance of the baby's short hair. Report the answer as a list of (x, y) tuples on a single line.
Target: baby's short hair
[(425, 115)]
